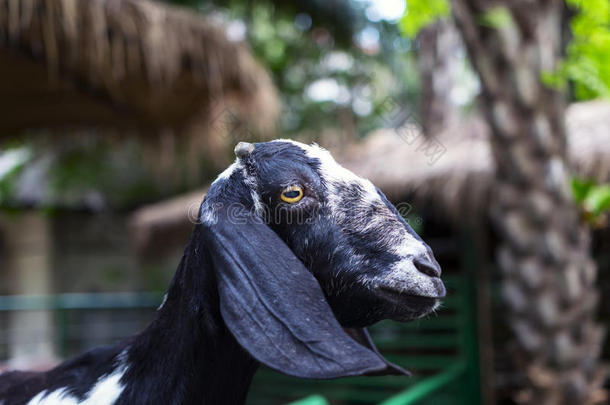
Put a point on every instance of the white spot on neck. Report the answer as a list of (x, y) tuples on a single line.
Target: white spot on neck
[(163, 302), (105, 391)]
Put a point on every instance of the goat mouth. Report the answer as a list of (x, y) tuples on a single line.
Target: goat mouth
[(407, 297)]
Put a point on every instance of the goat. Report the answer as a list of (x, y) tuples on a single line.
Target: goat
[(293, 256)]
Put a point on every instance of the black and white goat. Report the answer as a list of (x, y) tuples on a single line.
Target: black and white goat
[(292, 257)]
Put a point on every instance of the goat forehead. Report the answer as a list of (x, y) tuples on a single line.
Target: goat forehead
[(331, 172), (329, 168)]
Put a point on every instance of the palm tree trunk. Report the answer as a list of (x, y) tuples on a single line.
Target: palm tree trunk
[(544, 254), (436, 57)]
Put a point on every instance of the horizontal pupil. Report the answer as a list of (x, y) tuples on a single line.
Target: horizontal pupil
[(292, 194)]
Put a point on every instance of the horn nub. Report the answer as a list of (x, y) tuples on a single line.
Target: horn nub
[(243, 149)]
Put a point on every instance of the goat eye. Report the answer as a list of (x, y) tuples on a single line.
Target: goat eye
[(292, 194)]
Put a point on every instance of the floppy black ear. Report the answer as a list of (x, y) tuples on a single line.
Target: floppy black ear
[(275, 308), (362, 336)]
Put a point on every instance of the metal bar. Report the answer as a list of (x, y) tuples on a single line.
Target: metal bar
[(80, 301), (312, 400), (420, 390)]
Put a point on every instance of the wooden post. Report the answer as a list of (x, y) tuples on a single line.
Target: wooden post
[(28, 249)]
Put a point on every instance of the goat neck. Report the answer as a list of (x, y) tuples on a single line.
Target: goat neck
[(187, 355)]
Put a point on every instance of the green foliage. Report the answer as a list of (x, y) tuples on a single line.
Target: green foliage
[(598, 200), (421, 13), (593, 198), (587, 62), (581, 188), (300, 57), (554, 80)]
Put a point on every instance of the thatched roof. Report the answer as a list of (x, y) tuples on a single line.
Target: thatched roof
[(132, 64), (457, 182), (156, 225)]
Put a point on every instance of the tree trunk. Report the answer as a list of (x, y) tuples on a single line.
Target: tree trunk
[(544, 254), (437, 59)]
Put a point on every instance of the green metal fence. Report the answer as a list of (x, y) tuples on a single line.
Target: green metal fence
[(441, 351), (120, 315)]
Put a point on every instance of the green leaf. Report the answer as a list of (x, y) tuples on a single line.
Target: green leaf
[(598, 199), (587, 62), (594, 199), (554, 80), (581, 188), (421, 13)]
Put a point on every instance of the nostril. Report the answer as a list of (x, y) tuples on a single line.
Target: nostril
[(427, 266)]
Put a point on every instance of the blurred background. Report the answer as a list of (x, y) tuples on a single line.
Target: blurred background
[(487, 118)]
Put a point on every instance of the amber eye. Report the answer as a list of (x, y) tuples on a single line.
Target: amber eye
[(292, 194)]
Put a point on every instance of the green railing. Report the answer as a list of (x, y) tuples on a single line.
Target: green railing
[(312, 400), (421, 390), (64, 306), (441, 350), (80, 301), (413, 394)]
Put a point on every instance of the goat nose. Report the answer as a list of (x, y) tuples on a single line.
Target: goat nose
[(429, 267)]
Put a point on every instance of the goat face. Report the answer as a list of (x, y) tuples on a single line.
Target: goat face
[(320, 217), (367, 259)]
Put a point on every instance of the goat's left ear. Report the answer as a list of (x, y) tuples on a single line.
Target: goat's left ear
[(362, 336), (276, 309)]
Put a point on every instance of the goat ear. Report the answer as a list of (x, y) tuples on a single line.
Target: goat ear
[(362, 336), (275, 308)]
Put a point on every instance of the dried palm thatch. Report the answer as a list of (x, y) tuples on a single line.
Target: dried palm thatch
[(406, 168), (131, 64), (155, 226), (454, 171)]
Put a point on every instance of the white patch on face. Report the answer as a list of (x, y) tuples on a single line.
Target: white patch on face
[(410, 247), (334, 175), (331, 170), (253, 186), (404, 277), (105, 391), (208, 212)]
